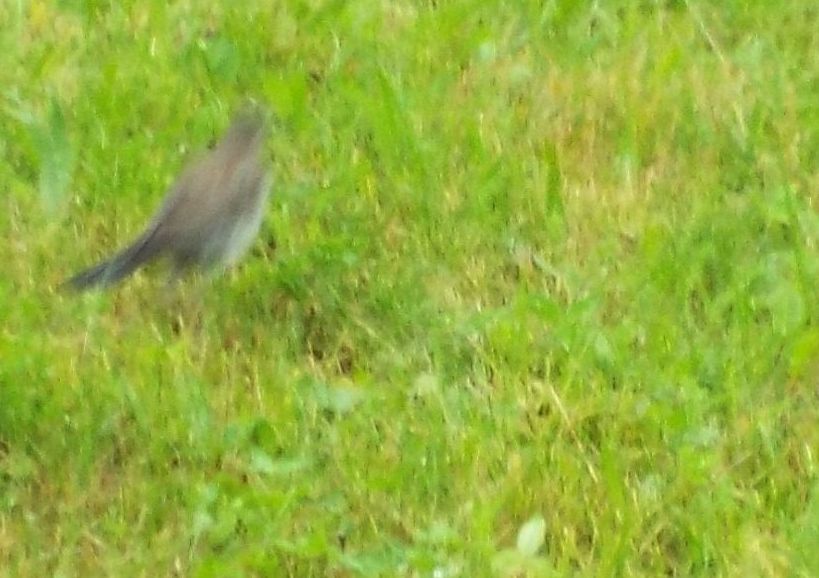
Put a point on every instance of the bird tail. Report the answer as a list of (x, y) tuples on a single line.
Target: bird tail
[(117, 267)]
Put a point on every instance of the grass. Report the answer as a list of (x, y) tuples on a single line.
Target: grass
[(536, 293)]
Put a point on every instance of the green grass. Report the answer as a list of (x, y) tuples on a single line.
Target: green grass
[(536, 293)]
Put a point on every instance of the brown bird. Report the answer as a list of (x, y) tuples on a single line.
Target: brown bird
[(209, 217)]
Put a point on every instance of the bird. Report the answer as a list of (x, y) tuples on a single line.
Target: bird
[(209, 217)]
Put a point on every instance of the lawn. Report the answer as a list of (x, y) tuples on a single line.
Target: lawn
[(535, 295)]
